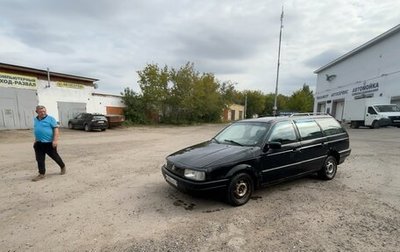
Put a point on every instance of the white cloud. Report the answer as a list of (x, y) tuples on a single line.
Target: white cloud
[(236, 40)]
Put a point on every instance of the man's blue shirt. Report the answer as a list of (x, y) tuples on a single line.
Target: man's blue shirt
[(43, 129)]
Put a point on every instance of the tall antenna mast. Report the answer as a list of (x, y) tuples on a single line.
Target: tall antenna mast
[(275, 108)]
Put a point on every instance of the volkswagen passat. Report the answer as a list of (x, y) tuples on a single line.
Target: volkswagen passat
[(252, 153)]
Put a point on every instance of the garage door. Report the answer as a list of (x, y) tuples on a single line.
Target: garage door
[(68, 110), (114, 110), (395, 100), (338, 110), (17, 108)]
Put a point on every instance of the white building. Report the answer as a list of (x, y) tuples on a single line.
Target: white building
[(233, 112), (370, 70), (64, 96)]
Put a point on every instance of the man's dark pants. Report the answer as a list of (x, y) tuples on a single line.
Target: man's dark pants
[(41, 149)]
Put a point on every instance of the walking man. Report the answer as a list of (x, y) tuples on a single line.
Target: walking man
[(46, 138)]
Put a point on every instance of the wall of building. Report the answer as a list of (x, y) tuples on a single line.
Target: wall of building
[(99, 103), (64, 96), (57, 91), (372, 72)]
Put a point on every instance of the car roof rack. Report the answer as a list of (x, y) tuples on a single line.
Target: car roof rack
[(308, 114)]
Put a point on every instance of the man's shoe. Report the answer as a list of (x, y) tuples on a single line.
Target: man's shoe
[(38, 177), (63, 170)]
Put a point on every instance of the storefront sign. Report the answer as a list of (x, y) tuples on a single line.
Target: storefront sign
[(64, 84), (340, 93), (17, 81), (322, 97), (365, 88)]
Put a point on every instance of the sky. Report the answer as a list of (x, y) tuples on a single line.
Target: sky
[(236, 40)]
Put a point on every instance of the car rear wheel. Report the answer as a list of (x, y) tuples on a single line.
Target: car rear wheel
[(240, 189), (87, 127), (329, 169), (354, 125), (70, 126)]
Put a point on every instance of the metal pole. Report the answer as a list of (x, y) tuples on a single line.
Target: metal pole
[(48, 78), (275, 108), (245, 106)]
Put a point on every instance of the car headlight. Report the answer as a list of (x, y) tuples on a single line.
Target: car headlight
[(195, 175)]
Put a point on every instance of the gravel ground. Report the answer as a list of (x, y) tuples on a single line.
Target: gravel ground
[(113, 198)]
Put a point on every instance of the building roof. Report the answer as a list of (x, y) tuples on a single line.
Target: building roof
[(44, 72), (106, 95), (370, 43)]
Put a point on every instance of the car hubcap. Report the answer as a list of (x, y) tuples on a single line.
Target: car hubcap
[(329, 168), (241, 189)]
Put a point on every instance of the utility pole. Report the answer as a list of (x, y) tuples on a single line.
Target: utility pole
[(275, 108), (48, 78), (245, 106)]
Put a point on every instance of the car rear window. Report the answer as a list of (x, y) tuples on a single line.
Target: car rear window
[(99, 117), (330, 126), (308, 129)]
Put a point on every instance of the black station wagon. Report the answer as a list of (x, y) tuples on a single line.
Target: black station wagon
[(252, 153)]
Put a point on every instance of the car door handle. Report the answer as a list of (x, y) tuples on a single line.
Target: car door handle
[(297, 149)]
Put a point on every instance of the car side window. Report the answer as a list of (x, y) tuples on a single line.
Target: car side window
[(308, 129), (371, 111), (283, 132), (330, 126)]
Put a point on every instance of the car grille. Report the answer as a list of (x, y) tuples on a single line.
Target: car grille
[(395, 119), (175, 169)]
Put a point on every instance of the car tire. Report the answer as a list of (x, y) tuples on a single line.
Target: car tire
[(375, 125), (329, 169), (240, 189), (70, 126), (87, 127), (103, 129), (354, 125)]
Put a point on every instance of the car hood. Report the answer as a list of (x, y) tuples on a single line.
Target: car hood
[(387, 114), (210, 154)]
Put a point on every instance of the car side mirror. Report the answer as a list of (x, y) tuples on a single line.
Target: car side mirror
[(273, 146)]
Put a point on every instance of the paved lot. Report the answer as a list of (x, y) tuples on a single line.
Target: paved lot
[(113, 198)]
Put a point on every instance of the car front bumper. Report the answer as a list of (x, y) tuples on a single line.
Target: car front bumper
[(383, 122), (190, 185)]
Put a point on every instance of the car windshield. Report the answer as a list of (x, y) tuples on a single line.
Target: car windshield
[(243, 133), (99, 118), (387, 108)]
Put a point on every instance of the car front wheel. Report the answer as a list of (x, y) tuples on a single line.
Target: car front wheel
[(70, 126), (87, 127), (375, 125), (329, 168), (240, 189)]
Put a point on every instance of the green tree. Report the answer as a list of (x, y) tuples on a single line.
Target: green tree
[(255, 103), (302, 100), (153, 82), (134, 110), (229, 94), (207, 100), (181, 99), (281, 103), (180, 95)]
